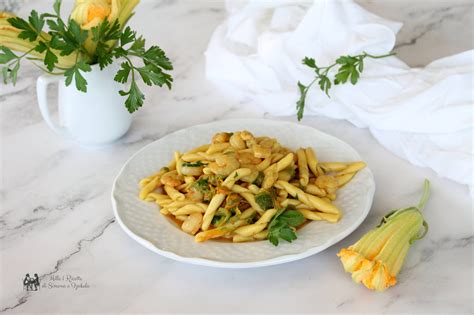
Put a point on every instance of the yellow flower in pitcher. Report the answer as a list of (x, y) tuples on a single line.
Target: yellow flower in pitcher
[(91, 13), (376, 259)]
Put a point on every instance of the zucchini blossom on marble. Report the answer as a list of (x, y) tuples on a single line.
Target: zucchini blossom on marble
[(376, 259)]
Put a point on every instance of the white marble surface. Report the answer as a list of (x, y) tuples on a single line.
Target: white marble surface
[(56, 217)]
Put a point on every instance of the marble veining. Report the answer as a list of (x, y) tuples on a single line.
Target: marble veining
[(24, 298), (424, 24), (56, 217), (437, 18)]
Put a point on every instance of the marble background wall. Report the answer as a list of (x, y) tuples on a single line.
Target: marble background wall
[(432, 29)]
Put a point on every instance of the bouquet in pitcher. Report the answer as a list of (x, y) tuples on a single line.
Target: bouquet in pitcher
[(94, 33)]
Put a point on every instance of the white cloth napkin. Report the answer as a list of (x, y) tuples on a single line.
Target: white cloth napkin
[(422, 115)]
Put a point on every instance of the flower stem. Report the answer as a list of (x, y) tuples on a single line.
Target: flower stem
[(378, 57), (426, 195)]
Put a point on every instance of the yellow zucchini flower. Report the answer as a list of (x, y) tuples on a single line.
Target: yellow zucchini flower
[(376, 259), (90, 13)]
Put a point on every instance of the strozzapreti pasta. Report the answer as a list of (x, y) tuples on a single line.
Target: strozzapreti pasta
[(246, 188)]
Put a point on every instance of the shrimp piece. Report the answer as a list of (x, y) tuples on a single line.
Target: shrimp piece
[(276, 146), (247, 158), (249, 139), (224, 164), (220, 137), (247, 135), (192, 224), (172, 179), (236, 141), (192, 170), (252, 176), (267, 143), (261, 152)]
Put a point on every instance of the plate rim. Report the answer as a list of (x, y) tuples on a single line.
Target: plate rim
[(239, 265)]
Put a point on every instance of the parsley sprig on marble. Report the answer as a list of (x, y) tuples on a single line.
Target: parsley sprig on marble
[(349, 68), (69, 49)]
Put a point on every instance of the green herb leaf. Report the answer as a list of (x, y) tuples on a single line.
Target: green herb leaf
[(119, 52), (41, 47), (6, 55), (27, 31), (202, 186), (106, 31), (350, 68), (259, 180), (154, 60), (10, 73), (138, 46), (221, 217), (14, 72), (127, 36), (156, 56), (354, 75), (151, 75), (288, 234), (325, 84), (67, 39), (361, 65), (77, 34), (135, 97), (194, 164), (36, 22), (56, 26), (5, 74), (104, 58), (57, 7), (50, 59), (301, 101), (292, 217), (12, 65), (273, 238), (283, 226), (75, 73), (265, 200), (341, 76), (102, 35), (310, 62), (123, 73)]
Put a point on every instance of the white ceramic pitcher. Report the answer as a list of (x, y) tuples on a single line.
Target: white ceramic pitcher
[(93, 118)]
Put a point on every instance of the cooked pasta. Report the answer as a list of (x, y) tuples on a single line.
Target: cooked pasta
[(236, 186)]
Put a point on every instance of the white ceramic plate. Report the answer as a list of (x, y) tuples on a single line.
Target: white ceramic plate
[(143, 222)]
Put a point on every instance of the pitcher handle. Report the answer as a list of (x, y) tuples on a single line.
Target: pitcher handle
[(42, 92)]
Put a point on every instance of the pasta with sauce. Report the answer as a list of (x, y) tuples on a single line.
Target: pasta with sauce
[(235, 186)]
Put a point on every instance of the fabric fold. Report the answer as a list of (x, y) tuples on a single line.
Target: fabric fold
[(422, 115)]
